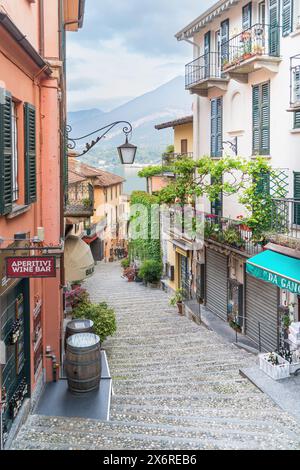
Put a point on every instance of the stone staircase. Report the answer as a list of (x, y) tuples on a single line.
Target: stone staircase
[(176, 386)]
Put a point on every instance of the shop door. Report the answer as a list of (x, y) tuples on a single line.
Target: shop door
[(262, 323), (184, 276), (15, 334), (216, 283)]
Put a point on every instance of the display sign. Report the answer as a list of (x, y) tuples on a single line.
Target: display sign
[(30, 266)]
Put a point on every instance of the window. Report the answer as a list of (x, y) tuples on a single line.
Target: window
[(261, 119), (184, 146), (207, 41), (297, 120), (14, 152), (262, 13), (105, 195), (111, 194), (287, 17), (217, 204), (216, 127), (116, 191), (247, 16)]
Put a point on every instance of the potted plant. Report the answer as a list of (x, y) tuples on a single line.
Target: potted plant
[(129, 273), (125, 263), (151, 272), (177, 299)]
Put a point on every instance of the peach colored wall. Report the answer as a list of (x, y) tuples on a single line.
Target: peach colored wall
[(17, 76), (158, 183), (182, 132)]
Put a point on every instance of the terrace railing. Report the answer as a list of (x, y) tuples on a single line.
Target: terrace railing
[(203, 68), (259, 40), (285, 218), (230, 232), (80, 200)]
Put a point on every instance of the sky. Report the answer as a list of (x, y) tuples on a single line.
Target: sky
[(127, 48)]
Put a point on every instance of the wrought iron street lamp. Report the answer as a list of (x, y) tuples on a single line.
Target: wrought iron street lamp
[(127, 151)]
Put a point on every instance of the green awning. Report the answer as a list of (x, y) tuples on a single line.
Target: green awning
[(280, 270)]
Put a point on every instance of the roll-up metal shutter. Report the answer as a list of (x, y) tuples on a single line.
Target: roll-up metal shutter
[(216, 283), (262, 309)]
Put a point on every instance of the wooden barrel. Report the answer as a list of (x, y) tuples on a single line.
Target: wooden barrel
[(83, 362), (78, 326)]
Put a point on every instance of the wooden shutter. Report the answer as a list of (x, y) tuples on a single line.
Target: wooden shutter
[(184, 146), (216, 127), (207, 40), (6, 181), (263, 184), (256, 119), (274, 28), (296, 84), (247, 16), (261, 119), (265, 119), (224, 40), (297, 120), (287, 17), (297, 197), (30, 153)]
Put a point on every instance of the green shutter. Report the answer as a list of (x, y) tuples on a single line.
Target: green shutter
[(207, 41), (256, 119), (261, 119), (6, 182), (30, 154), (263, 184), (247, 16), (297, 120), (274, 28), (216, 127), (296, 84), (265, 119), (287, 17), (297, 197)]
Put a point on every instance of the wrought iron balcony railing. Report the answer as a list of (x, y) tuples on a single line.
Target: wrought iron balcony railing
[(79, 200), (285, 219), (206, 67), (170, 158), (256, 42), (295, 83), (232, 233)]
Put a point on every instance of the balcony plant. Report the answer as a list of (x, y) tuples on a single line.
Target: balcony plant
[(232, 237), (177, 299)]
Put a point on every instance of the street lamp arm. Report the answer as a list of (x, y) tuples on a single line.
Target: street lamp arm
[(72, 141)]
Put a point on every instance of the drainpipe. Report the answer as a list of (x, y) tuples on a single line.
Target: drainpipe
[(42, 29)]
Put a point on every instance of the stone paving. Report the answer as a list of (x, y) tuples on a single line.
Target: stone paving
[(176, 385)]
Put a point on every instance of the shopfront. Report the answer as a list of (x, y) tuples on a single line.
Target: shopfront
[(272, 297), (15, 337)]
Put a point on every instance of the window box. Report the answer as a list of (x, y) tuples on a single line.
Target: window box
[(275, 371)]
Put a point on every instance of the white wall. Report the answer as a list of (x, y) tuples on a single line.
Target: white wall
[(237, 105)]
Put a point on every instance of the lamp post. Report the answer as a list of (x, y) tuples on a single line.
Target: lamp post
[(127, 151)]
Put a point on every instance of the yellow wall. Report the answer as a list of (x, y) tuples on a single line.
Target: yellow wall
[(184, 131)]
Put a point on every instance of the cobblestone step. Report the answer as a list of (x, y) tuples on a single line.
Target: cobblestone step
[(176, 385), (91, 433)]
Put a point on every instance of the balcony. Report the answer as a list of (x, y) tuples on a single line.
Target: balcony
[(205, 73), (295, 84), (231, 233), (80, 201), (285, 225), (253, 49), (169, 159)]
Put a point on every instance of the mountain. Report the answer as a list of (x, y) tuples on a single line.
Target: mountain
[(165, 103)]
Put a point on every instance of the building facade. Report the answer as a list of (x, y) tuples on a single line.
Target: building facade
[(32, 158), (245, 81)]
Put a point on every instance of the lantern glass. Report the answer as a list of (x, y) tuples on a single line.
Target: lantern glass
[(127, 153)]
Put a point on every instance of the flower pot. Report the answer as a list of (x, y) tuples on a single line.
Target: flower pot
[(180, 308), (153, 285)]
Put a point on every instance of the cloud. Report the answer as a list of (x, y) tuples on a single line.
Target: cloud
[(127, 48)]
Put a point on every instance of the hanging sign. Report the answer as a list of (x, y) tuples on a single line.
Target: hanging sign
[(30, 266)]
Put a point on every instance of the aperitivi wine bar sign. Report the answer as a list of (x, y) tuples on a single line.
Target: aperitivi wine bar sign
[(30, 266)]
